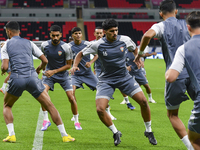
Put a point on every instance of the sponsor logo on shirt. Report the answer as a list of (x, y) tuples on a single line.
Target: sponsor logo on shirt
[(122, 49), (59, 53)]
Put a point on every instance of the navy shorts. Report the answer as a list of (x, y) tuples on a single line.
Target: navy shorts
[(194, 121), (140, 78), (98, 72), (89, 79), (127, 86), (33, 85), (175, 93), (62, 79)]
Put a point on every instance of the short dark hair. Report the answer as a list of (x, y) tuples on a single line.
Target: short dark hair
[(98, 27), (75, 29), (109, 23), (55, 28), (167, 6), (193, 19), (12, 25)]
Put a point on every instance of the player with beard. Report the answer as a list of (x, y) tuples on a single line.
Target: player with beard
[(59, 57)]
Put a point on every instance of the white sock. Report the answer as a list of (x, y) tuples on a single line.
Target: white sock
[(4, 85), (10, 128), (113, 128), (75, 118), (126, 99), (148, 126), (187, 143), (150, 96), (45, 113), (61, 128), (108, 109)]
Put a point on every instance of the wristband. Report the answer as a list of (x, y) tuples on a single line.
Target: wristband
[(140, 52)]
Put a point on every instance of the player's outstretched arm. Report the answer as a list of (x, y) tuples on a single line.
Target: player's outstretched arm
[(88, 64), (144, 42), (77, 60), (43, 63)]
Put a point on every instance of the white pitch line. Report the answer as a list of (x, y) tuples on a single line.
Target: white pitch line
[(38, 140)]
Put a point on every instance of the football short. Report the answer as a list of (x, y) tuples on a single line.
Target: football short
[(89, 79), (143, 71), (98, 72), (127, 86), (62, 79), (194, 121), (175, 93), (33, 85), (140, 78)]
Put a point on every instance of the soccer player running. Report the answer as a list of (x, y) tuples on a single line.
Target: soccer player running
[(98, 33), (188, 56), (59, 57), (111, 50), (138, 74), (85, 75), (18, 52), (172, 33)]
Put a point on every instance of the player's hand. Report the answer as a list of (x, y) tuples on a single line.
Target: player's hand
[(38, 71), (154, 53), (137, 61), (49, 73), (2, 44), (129, 68), (73, 69), (3, 73), (88, 65)]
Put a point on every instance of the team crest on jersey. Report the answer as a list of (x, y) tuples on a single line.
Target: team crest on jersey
[(104, 53), (122, 49), (59, 53)]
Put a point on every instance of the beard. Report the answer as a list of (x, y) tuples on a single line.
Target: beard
[(55, 41)]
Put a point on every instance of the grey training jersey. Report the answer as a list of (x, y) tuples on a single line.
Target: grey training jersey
[(112, 56), (19, 51), (75, 50), (188, 55), (172, 33), (56, 54)]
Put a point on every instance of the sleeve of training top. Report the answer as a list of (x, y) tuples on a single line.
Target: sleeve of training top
[(35, 50), (159, 29), (179, 59), (90, 49), (129, 43), (68, 51), (4, 53)]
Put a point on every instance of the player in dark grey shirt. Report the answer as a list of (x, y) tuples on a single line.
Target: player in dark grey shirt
[(18, 52), (111, 51), (188, 56), (59, 57)]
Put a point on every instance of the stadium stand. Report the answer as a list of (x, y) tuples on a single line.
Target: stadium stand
[(123, 15), (134, 30), (189, 4), (120, 3), (37, 3), (39, 31)]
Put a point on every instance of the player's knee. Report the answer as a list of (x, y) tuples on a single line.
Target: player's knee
[(143, 102), (172, 114), (100, 109)]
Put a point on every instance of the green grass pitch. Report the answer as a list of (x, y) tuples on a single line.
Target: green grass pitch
[(95, 135)]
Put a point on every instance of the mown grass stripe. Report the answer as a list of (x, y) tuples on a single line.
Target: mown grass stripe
[(38, 140)]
